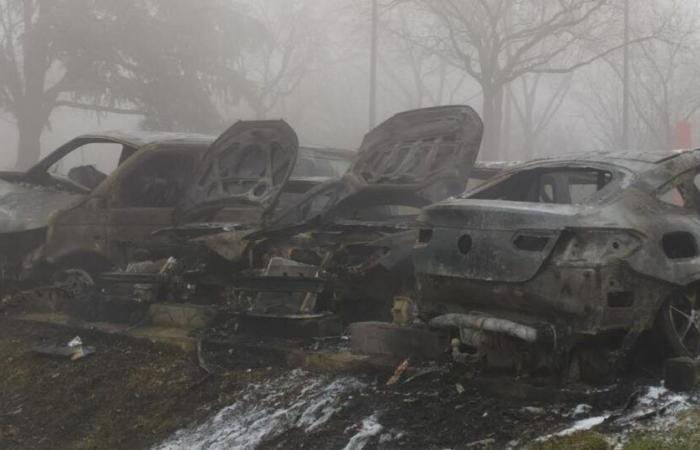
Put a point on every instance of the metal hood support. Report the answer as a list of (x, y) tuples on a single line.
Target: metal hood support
[(248, 164)]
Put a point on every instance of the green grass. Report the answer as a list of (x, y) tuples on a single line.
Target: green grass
[(685, 434), (582, 440)]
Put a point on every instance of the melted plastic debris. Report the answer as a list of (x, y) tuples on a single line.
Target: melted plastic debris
[(268, 410), (369, 429)]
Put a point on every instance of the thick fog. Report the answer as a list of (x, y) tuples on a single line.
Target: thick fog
[(547, 77)]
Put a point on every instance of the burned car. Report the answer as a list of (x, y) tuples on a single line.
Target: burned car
[(96, 200), (345, 248), (564, 264)]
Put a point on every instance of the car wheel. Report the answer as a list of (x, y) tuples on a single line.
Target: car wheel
[(75, 282), (679, 322)]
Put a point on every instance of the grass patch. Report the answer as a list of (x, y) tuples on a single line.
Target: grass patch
[(582, 440), (684, 434)]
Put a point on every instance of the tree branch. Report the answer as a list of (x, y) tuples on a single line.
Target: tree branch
[(100, 108)]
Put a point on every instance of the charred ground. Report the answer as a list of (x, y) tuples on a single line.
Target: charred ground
[(133, 394)]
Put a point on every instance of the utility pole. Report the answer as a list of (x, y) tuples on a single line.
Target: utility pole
[(373, 65), (626, 81)]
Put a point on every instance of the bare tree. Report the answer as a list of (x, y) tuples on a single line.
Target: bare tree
[(663, 87), (498, 41), (116, 56), (419, 75), (536, 104), (289, 50)]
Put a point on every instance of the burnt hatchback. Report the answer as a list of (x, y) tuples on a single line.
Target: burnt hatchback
[(567, 261)]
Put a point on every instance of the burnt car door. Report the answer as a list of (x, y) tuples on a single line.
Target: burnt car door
[(234, 179), (81, 168), (143, 195)]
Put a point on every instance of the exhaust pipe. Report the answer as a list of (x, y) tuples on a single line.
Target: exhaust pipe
[(492, 324)]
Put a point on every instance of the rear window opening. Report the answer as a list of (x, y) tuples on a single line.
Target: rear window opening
[(564, 186)]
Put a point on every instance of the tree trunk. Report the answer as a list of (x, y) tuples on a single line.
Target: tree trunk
[(29, 144), (31, 110), (493, 120)]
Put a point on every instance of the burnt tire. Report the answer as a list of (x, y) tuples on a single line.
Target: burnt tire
[(678, 322), (76, 287), (76, 282)]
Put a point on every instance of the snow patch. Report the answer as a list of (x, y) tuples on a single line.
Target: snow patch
[(268, 410), (655, 408), (369, 429), (580, 410)]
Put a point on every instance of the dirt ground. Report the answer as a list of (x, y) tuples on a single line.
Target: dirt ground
[(129, 394), (134, 394)]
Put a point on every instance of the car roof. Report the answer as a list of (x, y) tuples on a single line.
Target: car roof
[(139, 139), (631, 160)]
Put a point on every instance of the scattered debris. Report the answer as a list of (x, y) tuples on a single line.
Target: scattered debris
[(533, 410), (433, 370), (484, 443), (398, 373), (203, 364), (74, 350)]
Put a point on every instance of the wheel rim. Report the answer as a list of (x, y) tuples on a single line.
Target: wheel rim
[(75, 282), (685, 320)]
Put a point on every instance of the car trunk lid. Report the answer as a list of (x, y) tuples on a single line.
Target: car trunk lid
[(490, 240)]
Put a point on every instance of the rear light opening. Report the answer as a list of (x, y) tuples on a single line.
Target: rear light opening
[(531, 243), (425, 235)]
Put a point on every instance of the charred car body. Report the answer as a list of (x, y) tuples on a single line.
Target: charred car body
[(566, 260), (346, 246), (94, 201), (344, 249)]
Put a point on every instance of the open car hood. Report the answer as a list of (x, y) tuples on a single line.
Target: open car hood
[(248, 165), (426, 153), (420, 147), (25, 207)]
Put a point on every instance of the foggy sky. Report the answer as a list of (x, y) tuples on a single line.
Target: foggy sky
[(329, 107)]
